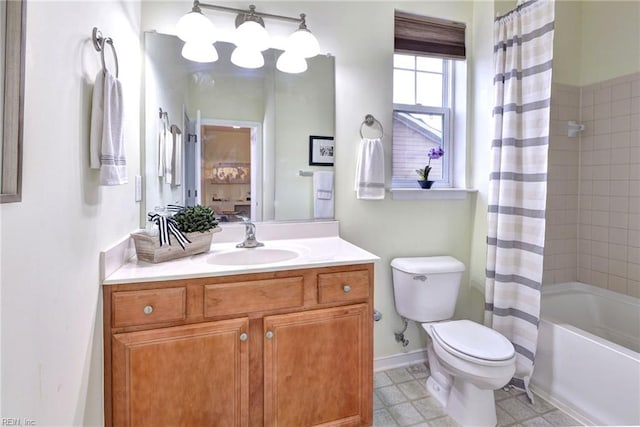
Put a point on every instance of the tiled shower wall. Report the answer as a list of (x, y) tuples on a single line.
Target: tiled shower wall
[(595, 180), (561, 237)]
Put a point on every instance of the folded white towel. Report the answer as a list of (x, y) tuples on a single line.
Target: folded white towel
[(323, 200), (370, 170), (107, 130)]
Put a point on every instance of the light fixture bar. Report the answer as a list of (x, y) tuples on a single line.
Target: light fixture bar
[(251, 10)]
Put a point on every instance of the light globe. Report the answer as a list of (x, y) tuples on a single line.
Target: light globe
[(194, 26), (303, 43), (247, 58), (199, 51), (290, 63), (252, 35)]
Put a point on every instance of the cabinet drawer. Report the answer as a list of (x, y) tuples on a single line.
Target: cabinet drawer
[(343, 286), (251, 296), (131, 308)]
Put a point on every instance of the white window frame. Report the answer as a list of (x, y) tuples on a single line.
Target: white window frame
[(447, 164), (448, 81)]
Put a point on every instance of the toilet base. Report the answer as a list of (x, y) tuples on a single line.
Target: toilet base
[(439, 382), (440, 393), (470, 406), (467, 404)]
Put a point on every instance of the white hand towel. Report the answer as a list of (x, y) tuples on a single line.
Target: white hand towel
[(323, 200), (169, 150), (176, 167), (162, 145), (107, 130), (97, 117), (370, 170)]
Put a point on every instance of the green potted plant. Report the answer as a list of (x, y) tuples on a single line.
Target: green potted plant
[(194, 219), (433, 154)]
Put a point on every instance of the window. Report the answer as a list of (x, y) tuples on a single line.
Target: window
[(421, 112), (423, 94)]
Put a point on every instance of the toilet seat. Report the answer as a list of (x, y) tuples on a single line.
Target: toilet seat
[(473, 342)]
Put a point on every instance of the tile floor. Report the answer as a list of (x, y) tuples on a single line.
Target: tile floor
[(400, 399)]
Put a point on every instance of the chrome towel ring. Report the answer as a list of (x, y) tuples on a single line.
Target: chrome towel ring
[(98, 43), (369, 120)]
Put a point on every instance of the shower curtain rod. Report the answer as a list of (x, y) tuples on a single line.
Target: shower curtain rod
[(517, 9)]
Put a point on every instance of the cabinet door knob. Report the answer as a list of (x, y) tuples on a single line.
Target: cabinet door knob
[(148, 309), (244, 336), (346, 289), (269, 335)]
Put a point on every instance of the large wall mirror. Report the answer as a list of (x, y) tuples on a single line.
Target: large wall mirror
[(12, 36), (244, 132)]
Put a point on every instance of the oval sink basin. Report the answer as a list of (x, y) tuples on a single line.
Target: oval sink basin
[(252, 256)]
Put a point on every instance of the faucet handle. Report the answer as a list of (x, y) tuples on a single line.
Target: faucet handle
[(250, 230), (243, 218)]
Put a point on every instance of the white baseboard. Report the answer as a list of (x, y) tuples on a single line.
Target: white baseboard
[(400, 360)]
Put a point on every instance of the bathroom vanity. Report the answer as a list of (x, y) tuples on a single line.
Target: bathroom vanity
[(288, 343)]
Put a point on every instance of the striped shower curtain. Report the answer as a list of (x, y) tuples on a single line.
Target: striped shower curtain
[(523, 52)]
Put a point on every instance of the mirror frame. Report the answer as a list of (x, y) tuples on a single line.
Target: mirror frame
[(13, 103)]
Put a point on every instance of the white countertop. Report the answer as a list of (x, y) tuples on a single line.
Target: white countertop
[(313, 252)]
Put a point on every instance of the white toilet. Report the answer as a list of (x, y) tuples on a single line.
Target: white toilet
[(468, 361)]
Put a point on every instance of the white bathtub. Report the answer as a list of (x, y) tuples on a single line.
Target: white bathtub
[(588, 360)]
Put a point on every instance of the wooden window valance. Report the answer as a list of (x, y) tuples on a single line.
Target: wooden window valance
[(421, 35)]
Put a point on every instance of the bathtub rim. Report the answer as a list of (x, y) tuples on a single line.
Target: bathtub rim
[(566, 287), (556, 288)]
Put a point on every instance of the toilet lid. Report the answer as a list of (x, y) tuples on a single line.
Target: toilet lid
[(474, 340), (428, 265)]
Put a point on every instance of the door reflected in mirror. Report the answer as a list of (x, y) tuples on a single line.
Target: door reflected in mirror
[(226, 171), (278, 111)]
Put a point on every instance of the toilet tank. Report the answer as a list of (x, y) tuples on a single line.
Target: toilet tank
[(426, 288)]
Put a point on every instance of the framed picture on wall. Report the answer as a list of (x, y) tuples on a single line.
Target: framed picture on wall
[(321, 150)]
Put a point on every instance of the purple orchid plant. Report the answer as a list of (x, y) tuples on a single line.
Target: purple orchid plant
[(433, 154)]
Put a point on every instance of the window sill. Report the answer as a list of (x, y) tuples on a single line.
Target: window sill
[(430, 194)]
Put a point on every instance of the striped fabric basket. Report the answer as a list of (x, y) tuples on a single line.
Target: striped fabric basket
[(148, 247)]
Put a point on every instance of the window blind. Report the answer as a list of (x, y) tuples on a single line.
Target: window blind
[(422, 35)]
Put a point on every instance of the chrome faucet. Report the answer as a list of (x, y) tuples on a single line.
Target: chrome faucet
[(250, 235)]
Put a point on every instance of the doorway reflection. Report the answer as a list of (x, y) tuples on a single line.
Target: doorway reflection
[(226, 170)]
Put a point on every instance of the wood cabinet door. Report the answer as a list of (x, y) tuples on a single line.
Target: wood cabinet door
[(318, 368), (192, 375)]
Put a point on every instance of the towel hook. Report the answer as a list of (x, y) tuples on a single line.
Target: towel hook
[(369, 120), (98, 43)]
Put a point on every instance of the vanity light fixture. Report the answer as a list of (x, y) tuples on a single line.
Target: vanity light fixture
[(250, 37)]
